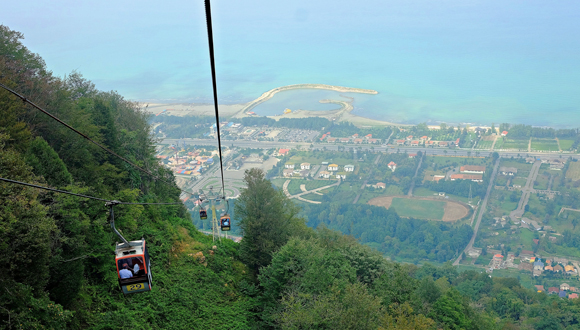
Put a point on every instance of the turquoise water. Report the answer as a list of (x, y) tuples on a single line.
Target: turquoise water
[(455, 61)]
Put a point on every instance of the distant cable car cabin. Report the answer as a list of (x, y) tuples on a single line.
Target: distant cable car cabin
[(202, 214), (225, 222), (133, 267)]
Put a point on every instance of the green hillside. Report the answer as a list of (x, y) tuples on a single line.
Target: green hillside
[(57, 267)]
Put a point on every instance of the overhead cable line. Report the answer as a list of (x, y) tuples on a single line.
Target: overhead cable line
[(25, 100), (214, 83), (80, 195)]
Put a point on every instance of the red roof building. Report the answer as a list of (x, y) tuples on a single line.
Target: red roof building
[(283, 151), (504, 133)]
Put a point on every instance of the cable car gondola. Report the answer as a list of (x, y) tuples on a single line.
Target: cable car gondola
[(132, 261), (133, 267), (202, 214), (225, 222)]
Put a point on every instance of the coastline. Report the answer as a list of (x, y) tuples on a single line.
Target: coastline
[(343, 114), (269, 94)]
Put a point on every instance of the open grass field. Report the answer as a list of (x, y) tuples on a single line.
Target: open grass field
[(519, 181), (313, 184), (544, 144), (519, 144), (311, 197), (423, 208), (448, 160), (573, 171), (513, 163), (566, 144), (541, 182)]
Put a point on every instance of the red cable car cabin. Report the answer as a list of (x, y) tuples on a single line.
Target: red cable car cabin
[(133, 267), (225, 222)]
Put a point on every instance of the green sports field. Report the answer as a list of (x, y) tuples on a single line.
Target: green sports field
[(420, 209)]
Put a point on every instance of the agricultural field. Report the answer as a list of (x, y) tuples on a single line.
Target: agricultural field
[(484, 145), (566, 144), (573, 171), (518, 144), (545, 144), (542, 180)]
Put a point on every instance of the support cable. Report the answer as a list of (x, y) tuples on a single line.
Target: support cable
[(25, 100), (80, 195), (214, 83)]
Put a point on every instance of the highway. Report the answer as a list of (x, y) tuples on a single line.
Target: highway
[(365, 147)]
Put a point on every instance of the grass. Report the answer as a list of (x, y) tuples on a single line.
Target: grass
[(573, 171), (519, 181), (544, 144), (566, 144), (314, 160), (310, 185), (367, 194), (542, 182), (311, 197), (420, 209), (513, 163), (519, 144)]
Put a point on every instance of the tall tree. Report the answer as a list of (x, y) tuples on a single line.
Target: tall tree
[(267, 218)]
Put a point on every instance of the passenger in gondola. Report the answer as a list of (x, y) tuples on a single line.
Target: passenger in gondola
[(125, 272), (226, 222)]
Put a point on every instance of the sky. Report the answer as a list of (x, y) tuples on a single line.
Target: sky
[(515, 56)]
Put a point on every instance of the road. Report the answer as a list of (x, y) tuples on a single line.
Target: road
[(413, 181), (526, 192), (481, 212), (365, 147)]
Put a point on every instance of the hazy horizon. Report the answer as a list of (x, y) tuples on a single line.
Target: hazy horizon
[(480, 60)]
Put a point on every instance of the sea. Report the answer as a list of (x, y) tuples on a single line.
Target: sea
[(473, 62)]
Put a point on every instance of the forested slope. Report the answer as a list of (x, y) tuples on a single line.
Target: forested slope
[(56, 251)]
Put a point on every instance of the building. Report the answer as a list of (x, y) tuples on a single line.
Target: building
[(341, 176), (400, 142), (540, 288), (333, 167), (564, 287), (472, 177), (331, 140), (573, 296), (553, 290), (324, 174), (283, 152), (344, 140), (443, 144), (472, 169), (381, 185), (358, 141), (414, 143), (558, 268), (290, 166), (410, 137), (550, 268), (288, 172), (305, 166), (349, 168), (392, 166), (508, 170), (569, 269), (538, 265), (504, 133)]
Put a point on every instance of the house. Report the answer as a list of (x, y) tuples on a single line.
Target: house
[(553, 290), (425, 138), (526, 254), (331, 140), (333, 167), (475, 169), (540, 288), (410, 137), (400, 142), (558, 268), (536, 241), (438, 177), (412, 155), (288, 165), (341, 176), (349, 168), (562, 294), (414, 143), (324, 174), (457, 142), (538, 265), (305, 166), (344, 140), (368, 136), (573, 296), (564, 287), (355, 135), (569, 269), (304, 173), (381, 185), (504, 133), (374, 140), (392, 166), (283, 152), (504, 170), (472, 177), (288, 172), (550, 268), (358, 141), (443, 144)]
